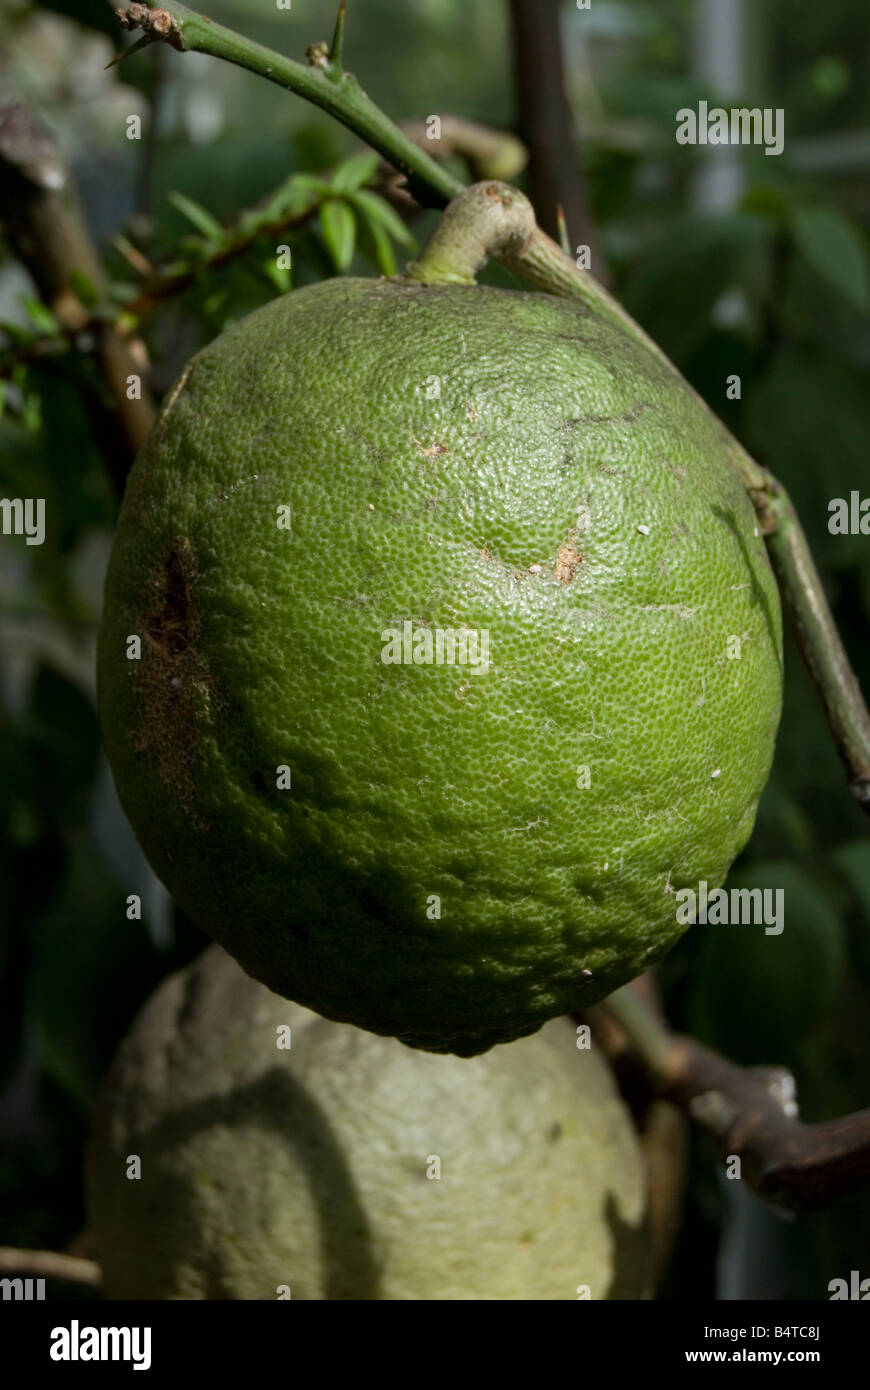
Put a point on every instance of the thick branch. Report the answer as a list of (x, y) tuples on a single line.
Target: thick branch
[(490, 153), (541, 263), (749, 1112), (547, 124)]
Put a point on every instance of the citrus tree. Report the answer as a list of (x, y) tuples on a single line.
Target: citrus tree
[(441, 662)]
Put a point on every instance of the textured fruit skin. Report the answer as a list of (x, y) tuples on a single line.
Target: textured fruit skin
[(307, 1167), (608, 650)]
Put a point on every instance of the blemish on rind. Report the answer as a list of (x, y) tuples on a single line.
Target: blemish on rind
[(567, 561), (568, 558), (173, 678), (434, 451)]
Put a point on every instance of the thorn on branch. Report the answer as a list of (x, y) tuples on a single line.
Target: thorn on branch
[(335, 51), (562, 228)]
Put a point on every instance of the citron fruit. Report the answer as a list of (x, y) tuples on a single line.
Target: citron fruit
[(343, 1165), (440, 649)]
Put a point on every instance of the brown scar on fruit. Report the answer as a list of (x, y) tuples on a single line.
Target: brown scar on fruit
[(434, 451), (173, 677), (567, 559), (169, 628)]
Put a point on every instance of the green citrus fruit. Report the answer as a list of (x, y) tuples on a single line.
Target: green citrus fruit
[(351, 1167), (460, 653)]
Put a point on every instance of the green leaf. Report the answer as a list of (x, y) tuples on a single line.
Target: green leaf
[(376, 245), (377, 209), (213, 303), (14, 332), (311, 184), (339, 231), (354, 172), (42, 318), (31, 412), (291, 198), (836, 251), (277, 275), (201, 218), (85, 289)]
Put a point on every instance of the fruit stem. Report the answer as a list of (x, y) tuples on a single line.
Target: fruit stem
[(487, 219)]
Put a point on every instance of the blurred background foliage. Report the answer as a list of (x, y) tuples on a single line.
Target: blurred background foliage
[(736, 262)]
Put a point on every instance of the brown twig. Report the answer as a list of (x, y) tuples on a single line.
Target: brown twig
[(166, 281), (749, 1111), (159, 283), (45, 228), (489, 153)]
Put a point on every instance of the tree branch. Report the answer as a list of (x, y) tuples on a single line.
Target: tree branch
[(45, 228), (749, 1112), (547, 125), (490, 153), (159, 283), (171, 279), (817, 636)]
